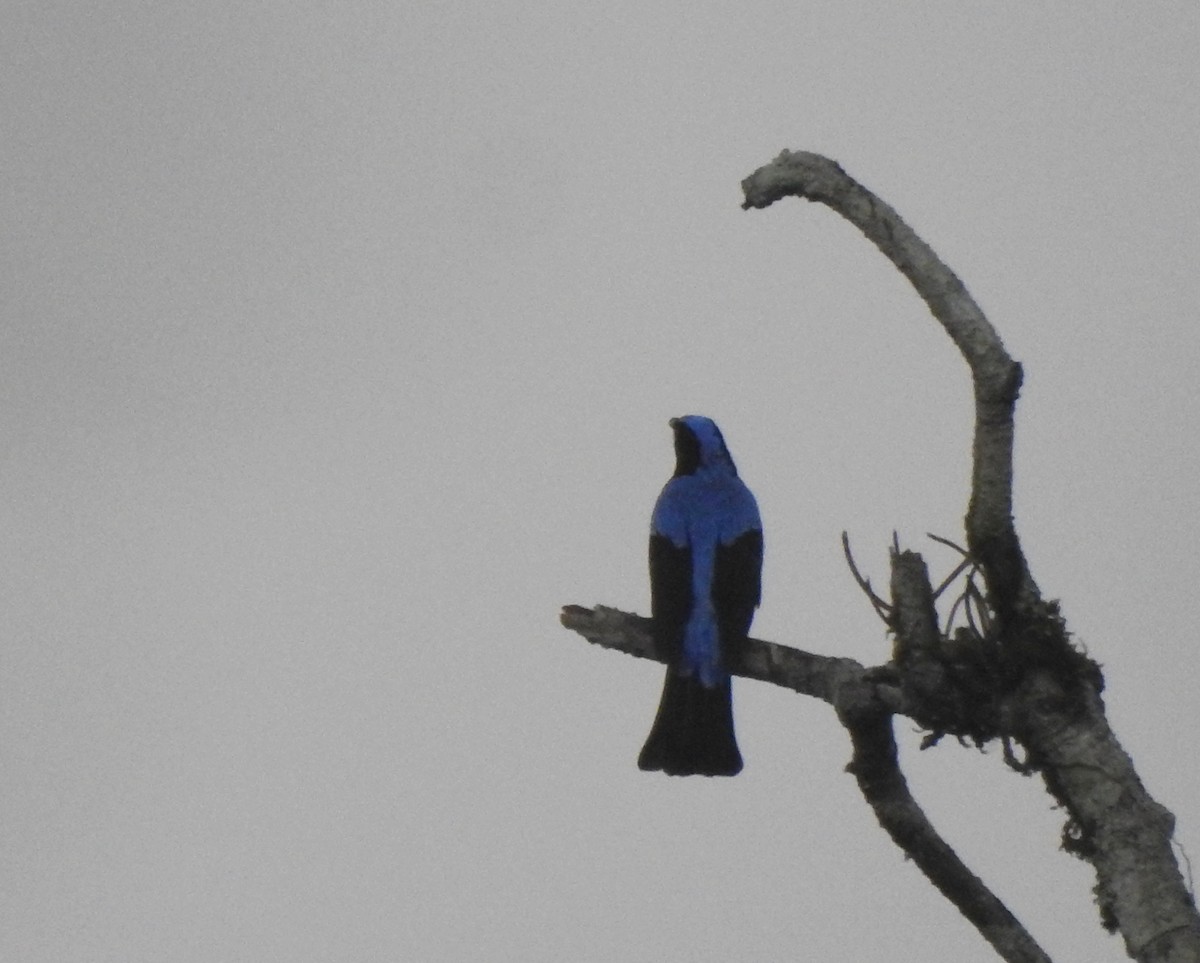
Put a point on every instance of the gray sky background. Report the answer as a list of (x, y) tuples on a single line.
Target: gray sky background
[(338, 345)]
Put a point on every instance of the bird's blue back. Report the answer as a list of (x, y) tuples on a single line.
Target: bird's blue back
[(699, 511)]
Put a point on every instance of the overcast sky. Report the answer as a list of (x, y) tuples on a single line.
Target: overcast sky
[(337, 348)]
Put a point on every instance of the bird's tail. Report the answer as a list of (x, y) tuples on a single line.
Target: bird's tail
[(693, 731)]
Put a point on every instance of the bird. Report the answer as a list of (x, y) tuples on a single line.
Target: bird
[(706, 552)]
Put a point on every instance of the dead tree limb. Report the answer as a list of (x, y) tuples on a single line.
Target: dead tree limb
[(1047, 694), (1010, 674), (865, 700), (991, 535)]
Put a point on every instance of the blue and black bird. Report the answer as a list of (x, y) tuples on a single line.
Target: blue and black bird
[(706, 550)]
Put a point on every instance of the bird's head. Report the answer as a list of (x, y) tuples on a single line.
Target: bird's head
[(698, 444)]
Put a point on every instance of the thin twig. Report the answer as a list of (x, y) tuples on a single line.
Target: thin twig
[(949, 544), (958, 570), (882, 608), (977, 603)]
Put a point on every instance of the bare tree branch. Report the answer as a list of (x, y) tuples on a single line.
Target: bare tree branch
[(819, 676), (865, 699), (1046, 693), (997, 378), (1011, 673), (877, 770), (1114, 823)]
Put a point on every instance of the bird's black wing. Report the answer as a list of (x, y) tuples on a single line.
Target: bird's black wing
[(737, 590), (670, 595)]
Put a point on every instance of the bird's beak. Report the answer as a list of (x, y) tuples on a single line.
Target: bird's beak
[(674, 422)]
